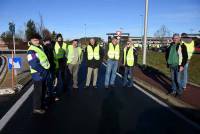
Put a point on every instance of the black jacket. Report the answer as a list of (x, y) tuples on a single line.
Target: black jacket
[(94, 63), (49, 52), (183, 50)]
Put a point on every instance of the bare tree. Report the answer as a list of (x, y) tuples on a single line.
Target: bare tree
[(46, 33), (40, 25), (162, 33)]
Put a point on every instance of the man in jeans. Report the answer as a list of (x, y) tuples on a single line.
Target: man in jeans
[(189, 43), (113, 54), (176, 57), (129, 60)]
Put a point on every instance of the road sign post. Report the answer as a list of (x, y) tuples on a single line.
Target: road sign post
[(13, 76), (14, 63)]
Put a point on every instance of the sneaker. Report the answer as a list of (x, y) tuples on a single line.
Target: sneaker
[(95, 87), (39, 111), (112, 86), (75, 87), (178, 95), (56, 99), (172, 93), (124, 86), (129, 86), (86, 87)]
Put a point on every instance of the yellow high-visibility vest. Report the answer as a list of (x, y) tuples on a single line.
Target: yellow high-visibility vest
[(113, 53), (93, 54), (60, 51), (190, 48), (129, 57), (70, 54), (44, 62)]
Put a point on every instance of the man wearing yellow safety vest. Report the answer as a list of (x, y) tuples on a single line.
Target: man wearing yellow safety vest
[(39, 66), (74, 58), (94, 56), (189, 43), (129, 56), (60, 49), (113, 54)]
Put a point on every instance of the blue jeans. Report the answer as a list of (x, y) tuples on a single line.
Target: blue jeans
[(111, 70), (175, 76), (184, 73), (128, 77), (50, 80), (60, 81)]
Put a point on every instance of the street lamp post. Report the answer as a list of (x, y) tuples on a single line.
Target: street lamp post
[(141, 27), (145, 32), (85, 33), (12, 29)]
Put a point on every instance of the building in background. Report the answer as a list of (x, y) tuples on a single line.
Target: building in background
[(3, 45)]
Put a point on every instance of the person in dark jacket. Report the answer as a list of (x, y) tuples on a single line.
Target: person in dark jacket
[(60, 51), (49, 51), (93, 61), (39, 68), (176, 57)]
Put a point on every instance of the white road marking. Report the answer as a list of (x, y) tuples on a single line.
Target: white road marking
[(178, 114), (5, 119)]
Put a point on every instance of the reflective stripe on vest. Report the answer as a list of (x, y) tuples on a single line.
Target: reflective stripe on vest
[(60, 51), (113, 53), (93, 54), (190, 48), (70, 54), (129, 57), (41, 56)]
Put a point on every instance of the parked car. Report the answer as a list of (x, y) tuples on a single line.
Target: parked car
[(197, 49), (162, 49)]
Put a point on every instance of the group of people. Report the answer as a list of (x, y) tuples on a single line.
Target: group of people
[(55, 65), (178, 56)]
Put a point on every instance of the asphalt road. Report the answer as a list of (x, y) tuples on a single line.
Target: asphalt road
[(100, 111)]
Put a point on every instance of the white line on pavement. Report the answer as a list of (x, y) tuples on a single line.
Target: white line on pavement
[(167, 106), (5, 119), (180, 115)]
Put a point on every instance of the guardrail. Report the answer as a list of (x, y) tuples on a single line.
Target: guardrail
[(2, 64), (10, 52), (3, 68)]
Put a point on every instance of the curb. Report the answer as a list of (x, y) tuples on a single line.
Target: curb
[(181, 106), (167, 98)]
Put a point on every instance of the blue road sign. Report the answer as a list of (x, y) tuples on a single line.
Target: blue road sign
[(17, 62)]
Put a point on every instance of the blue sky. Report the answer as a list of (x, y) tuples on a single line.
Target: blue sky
[(102, 16)]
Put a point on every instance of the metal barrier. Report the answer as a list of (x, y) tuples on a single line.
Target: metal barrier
[(10, 52), (3, 68)]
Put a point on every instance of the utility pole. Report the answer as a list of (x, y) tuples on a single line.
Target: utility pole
[(145, 32)]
